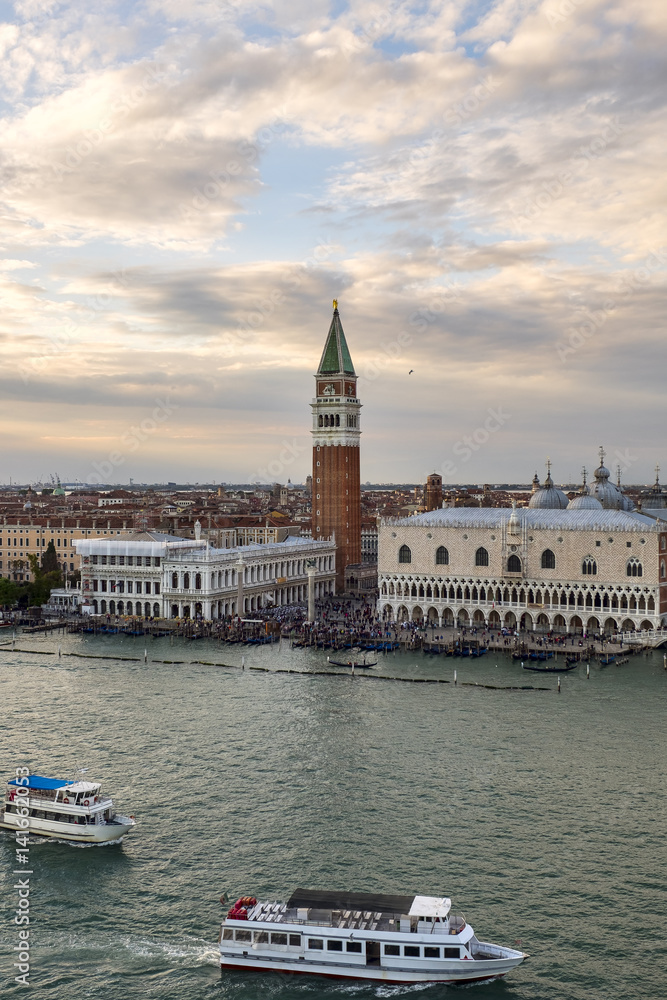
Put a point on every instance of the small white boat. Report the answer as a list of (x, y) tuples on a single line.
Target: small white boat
[(359, 935), (66, 810)]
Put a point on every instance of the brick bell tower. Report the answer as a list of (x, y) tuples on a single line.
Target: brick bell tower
[(336, 495)]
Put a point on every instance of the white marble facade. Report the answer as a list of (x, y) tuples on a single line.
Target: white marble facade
[(568, 570)]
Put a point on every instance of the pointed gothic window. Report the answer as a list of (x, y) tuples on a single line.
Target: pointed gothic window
[(548, 559), (481, 557), (441, 556), (589, 567), (404, 554), (513, 564), (634, 568)]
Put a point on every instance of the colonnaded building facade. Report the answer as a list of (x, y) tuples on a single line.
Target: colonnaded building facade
[(156, 575), (587, 564)]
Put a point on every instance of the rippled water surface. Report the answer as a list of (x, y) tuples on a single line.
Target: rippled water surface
[(541, 815)]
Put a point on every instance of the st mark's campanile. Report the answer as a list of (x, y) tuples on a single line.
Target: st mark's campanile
[(336, 490)]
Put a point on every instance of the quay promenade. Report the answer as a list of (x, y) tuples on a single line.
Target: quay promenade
[(348, 624)]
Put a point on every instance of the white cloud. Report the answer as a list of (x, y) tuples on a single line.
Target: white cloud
[(503, 182)]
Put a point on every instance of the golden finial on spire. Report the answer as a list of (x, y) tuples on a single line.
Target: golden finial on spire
[(335, 303)]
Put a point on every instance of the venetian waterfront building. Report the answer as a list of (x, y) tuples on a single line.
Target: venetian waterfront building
[(568, 567), (156, 575), (336, 488)]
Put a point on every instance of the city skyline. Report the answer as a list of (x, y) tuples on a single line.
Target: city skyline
[(480, 186)]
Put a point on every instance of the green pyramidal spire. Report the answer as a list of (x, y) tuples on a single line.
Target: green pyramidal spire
[(336, 358)]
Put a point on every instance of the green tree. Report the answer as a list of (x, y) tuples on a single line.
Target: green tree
[(38, 590), (9, 591), (50, 559)]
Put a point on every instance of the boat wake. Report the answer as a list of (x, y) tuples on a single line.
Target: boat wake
[(184, 951), (196, 951), (386, 989), (36, 840)]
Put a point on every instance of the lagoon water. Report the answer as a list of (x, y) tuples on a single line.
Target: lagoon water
[(541, 815)]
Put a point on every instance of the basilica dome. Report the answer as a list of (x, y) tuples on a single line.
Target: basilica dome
[(610, 496), (547, 497), (656, 499), (584, 501)]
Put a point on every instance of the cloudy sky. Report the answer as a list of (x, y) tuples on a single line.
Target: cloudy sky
[(481, 185)]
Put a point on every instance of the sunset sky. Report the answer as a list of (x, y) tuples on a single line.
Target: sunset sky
[(480, 185)]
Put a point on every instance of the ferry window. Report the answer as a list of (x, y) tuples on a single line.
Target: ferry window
[(295, 940), (452, 953), (227, 934), (261, 937), (334, 945), (243, 935), (94, 560), (431, 952), (354, 946), (279, 939), (392, 949), (411, 951), (315, 944), (121, 560), (130, 560)]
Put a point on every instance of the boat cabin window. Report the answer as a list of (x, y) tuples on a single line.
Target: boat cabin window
[(334, 945), (452, 952), (279, 939), (430, 952), (392, 949), (315, 944), (243, 935), (411, 951), (295, 940), (353, 946), (261, 937), (227, 934)]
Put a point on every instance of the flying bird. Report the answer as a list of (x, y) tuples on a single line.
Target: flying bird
[(411, 371)]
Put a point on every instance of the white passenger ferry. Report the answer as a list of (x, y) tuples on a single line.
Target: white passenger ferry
[(359, 935), (67, 810)]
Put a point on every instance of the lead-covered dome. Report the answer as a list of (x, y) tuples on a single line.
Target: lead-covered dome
[(602, 489), (548, 497), (584, 502)]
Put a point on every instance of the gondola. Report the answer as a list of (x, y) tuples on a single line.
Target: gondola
[(350, 663), (550, 670)]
